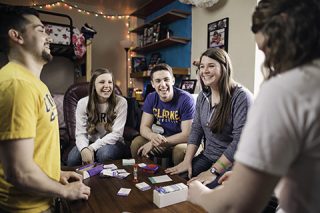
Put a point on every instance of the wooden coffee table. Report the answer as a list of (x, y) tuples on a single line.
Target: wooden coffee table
[(104, 196)]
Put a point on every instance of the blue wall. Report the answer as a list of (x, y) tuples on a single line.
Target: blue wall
[(177, 55)]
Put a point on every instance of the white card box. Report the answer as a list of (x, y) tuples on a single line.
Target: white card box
[(170, 198)]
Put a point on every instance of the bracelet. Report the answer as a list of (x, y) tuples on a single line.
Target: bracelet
[(87, 147), (222, 164), (83, 148), (90, 148)]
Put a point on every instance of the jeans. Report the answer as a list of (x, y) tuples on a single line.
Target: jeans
[(115, 151), (200, 164)]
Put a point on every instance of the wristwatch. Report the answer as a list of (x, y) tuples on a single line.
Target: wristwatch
[(214, 171)]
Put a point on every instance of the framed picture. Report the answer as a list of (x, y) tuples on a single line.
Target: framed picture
[(218, 34), (138, 64), (188, 85)]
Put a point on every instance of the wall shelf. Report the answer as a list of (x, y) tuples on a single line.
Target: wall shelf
[(166, 18), (146, 74), (150, 7), (161, 44), (173, 18)]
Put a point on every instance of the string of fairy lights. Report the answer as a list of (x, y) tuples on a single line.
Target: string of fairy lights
[(70, 6)]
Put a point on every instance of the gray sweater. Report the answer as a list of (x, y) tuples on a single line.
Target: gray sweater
[(225, 142)]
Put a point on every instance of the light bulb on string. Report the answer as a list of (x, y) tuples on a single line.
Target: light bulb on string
[(70, 6)]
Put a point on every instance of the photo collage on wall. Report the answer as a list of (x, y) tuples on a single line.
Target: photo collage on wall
[(218, 34)]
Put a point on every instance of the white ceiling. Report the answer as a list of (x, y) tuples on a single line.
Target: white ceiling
[(112, 7)]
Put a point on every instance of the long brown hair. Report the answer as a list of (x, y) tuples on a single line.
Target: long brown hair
[(292, 32), (225, 85), (92, 106)]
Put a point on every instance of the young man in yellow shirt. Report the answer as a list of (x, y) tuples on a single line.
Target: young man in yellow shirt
[(30, 175)]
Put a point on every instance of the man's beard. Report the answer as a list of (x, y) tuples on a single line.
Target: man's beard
[(47, 57)]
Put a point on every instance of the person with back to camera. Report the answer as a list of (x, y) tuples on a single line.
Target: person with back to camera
[(221, 112), (100, 121), (173, 109), (30, 175), (280, 144)]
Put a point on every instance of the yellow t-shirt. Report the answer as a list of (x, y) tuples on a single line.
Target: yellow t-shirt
[(27, 110)]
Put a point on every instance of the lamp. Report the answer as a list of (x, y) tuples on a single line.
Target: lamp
[(126, 44)]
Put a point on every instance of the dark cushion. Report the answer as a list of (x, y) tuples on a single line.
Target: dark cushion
[(71, 98)]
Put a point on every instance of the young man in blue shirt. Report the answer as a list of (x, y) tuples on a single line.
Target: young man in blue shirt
[(173, 110)]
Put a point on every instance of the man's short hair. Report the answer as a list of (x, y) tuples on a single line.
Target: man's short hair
[(12, 17), (159, 67)]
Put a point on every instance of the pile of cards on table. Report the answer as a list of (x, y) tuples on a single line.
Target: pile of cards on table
[(112, 170)]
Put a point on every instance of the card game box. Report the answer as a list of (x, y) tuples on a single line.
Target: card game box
[(90, 170), (169, 195)]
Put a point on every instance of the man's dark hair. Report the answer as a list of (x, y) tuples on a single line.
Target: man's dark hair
[(160, 67), (12, 17)]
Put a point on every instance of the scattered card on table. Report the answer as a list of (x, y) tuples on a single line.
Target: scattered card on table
[(142, 165), (128, 162), (121, 171), (110, 166), (143, 186), (160, 179), (124, 192), (108, 172), (122, 175)]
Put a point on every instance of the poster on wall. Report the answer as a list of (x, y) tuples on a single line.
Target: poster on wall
[(218, 34)]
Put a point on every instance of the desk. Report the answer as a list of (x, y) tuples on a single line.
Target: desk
[(104, 196)]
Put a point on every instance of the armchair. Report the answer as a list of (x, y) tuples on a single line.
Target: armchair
[(73, 95)]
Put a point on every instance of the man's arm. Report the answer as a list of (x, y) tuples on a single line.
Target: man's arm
[(146, 131), (145, 126), (20, 170), (181, 137), (253, 189)]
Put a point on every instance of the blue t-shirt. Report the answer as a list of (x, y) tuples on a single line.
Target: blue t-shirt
[(170, 114)]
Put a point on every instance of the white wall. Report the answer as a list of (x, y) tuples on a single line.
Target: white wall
[(58, 75), (241, 41)]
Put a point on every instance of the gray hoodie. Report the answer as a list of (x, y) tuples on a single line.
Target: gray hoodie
[(225, 142)]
